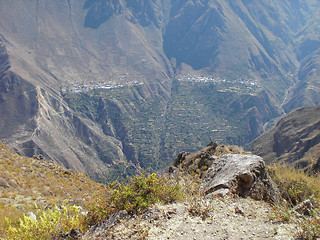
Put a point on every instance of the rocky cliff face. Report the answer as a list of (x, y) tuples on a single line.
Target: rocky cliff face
[(105, 81), (18, 94), (36, 122), (295, 140)]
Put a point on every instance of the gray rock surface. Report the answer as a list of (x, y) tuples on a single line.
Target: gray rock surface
[(304, 208), (244, 175)]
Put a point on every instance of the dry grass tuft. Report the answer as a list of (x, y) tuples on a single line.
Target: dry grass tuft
[(295, 187)]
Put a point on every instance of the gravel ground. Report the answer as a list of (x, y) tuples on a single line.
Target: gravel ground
[(221, 218)]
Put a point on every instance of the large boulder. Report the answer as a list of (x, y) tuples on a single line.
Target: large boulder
[(244, 175)]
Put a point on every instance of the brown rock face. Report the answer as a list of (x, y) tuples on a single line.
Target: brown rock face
[(295, 140), (244, 175)]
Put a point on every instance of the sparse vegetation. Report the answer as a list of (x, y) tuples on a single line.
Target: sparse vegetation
[(310, 229), (135, 197), (281, 213), (61, 193), (296, 186), (26, 182), (199, 206), (99, 208), (143, 191)]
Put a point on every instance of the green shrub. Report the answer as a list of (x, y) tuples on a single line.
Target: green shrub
[(143, 191), (100, 207), (48, 224), (136, 196)]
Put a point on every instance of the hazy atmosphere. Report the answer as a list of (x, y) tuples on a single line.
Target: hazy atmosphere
[(126, 82), (110, 88)]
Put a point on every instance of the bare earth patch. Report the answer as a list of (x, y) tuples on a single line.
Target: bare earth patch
[(219, 218)]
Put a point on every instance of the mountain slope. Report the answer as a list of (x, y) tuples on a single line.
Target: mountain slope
[(295, 140), (33, 120), (57, 54), (117, 83), (28, 181)]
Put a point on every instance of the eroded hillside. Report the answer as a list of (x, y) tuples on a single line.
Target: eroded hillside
[(295, 140)]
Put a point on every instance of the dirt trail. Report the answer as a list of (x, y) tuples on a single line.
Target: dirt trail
[(227, 218)]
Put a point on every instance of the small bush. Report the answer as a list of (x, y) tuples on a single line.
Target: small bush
[(135, 197), (48, 224), (296, 186), (100, 207), (199, 207), (141, 192)]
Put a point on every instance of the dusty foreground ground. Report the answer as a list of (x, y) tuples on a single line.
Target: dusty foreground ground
[(220, 218)]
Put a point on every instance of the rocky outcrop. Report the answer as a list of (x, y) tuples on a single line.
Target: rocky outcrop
[(18, 100), (304, 208), (228, 170), (244, 175), (100, 11)]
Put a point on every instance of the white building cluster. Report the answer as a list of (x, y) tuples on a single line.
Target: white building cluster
[(85, 87), (217, 80)]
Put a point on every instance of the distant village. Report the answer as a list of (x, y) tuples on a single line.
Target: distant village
[(85, 87), (217, 80)]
